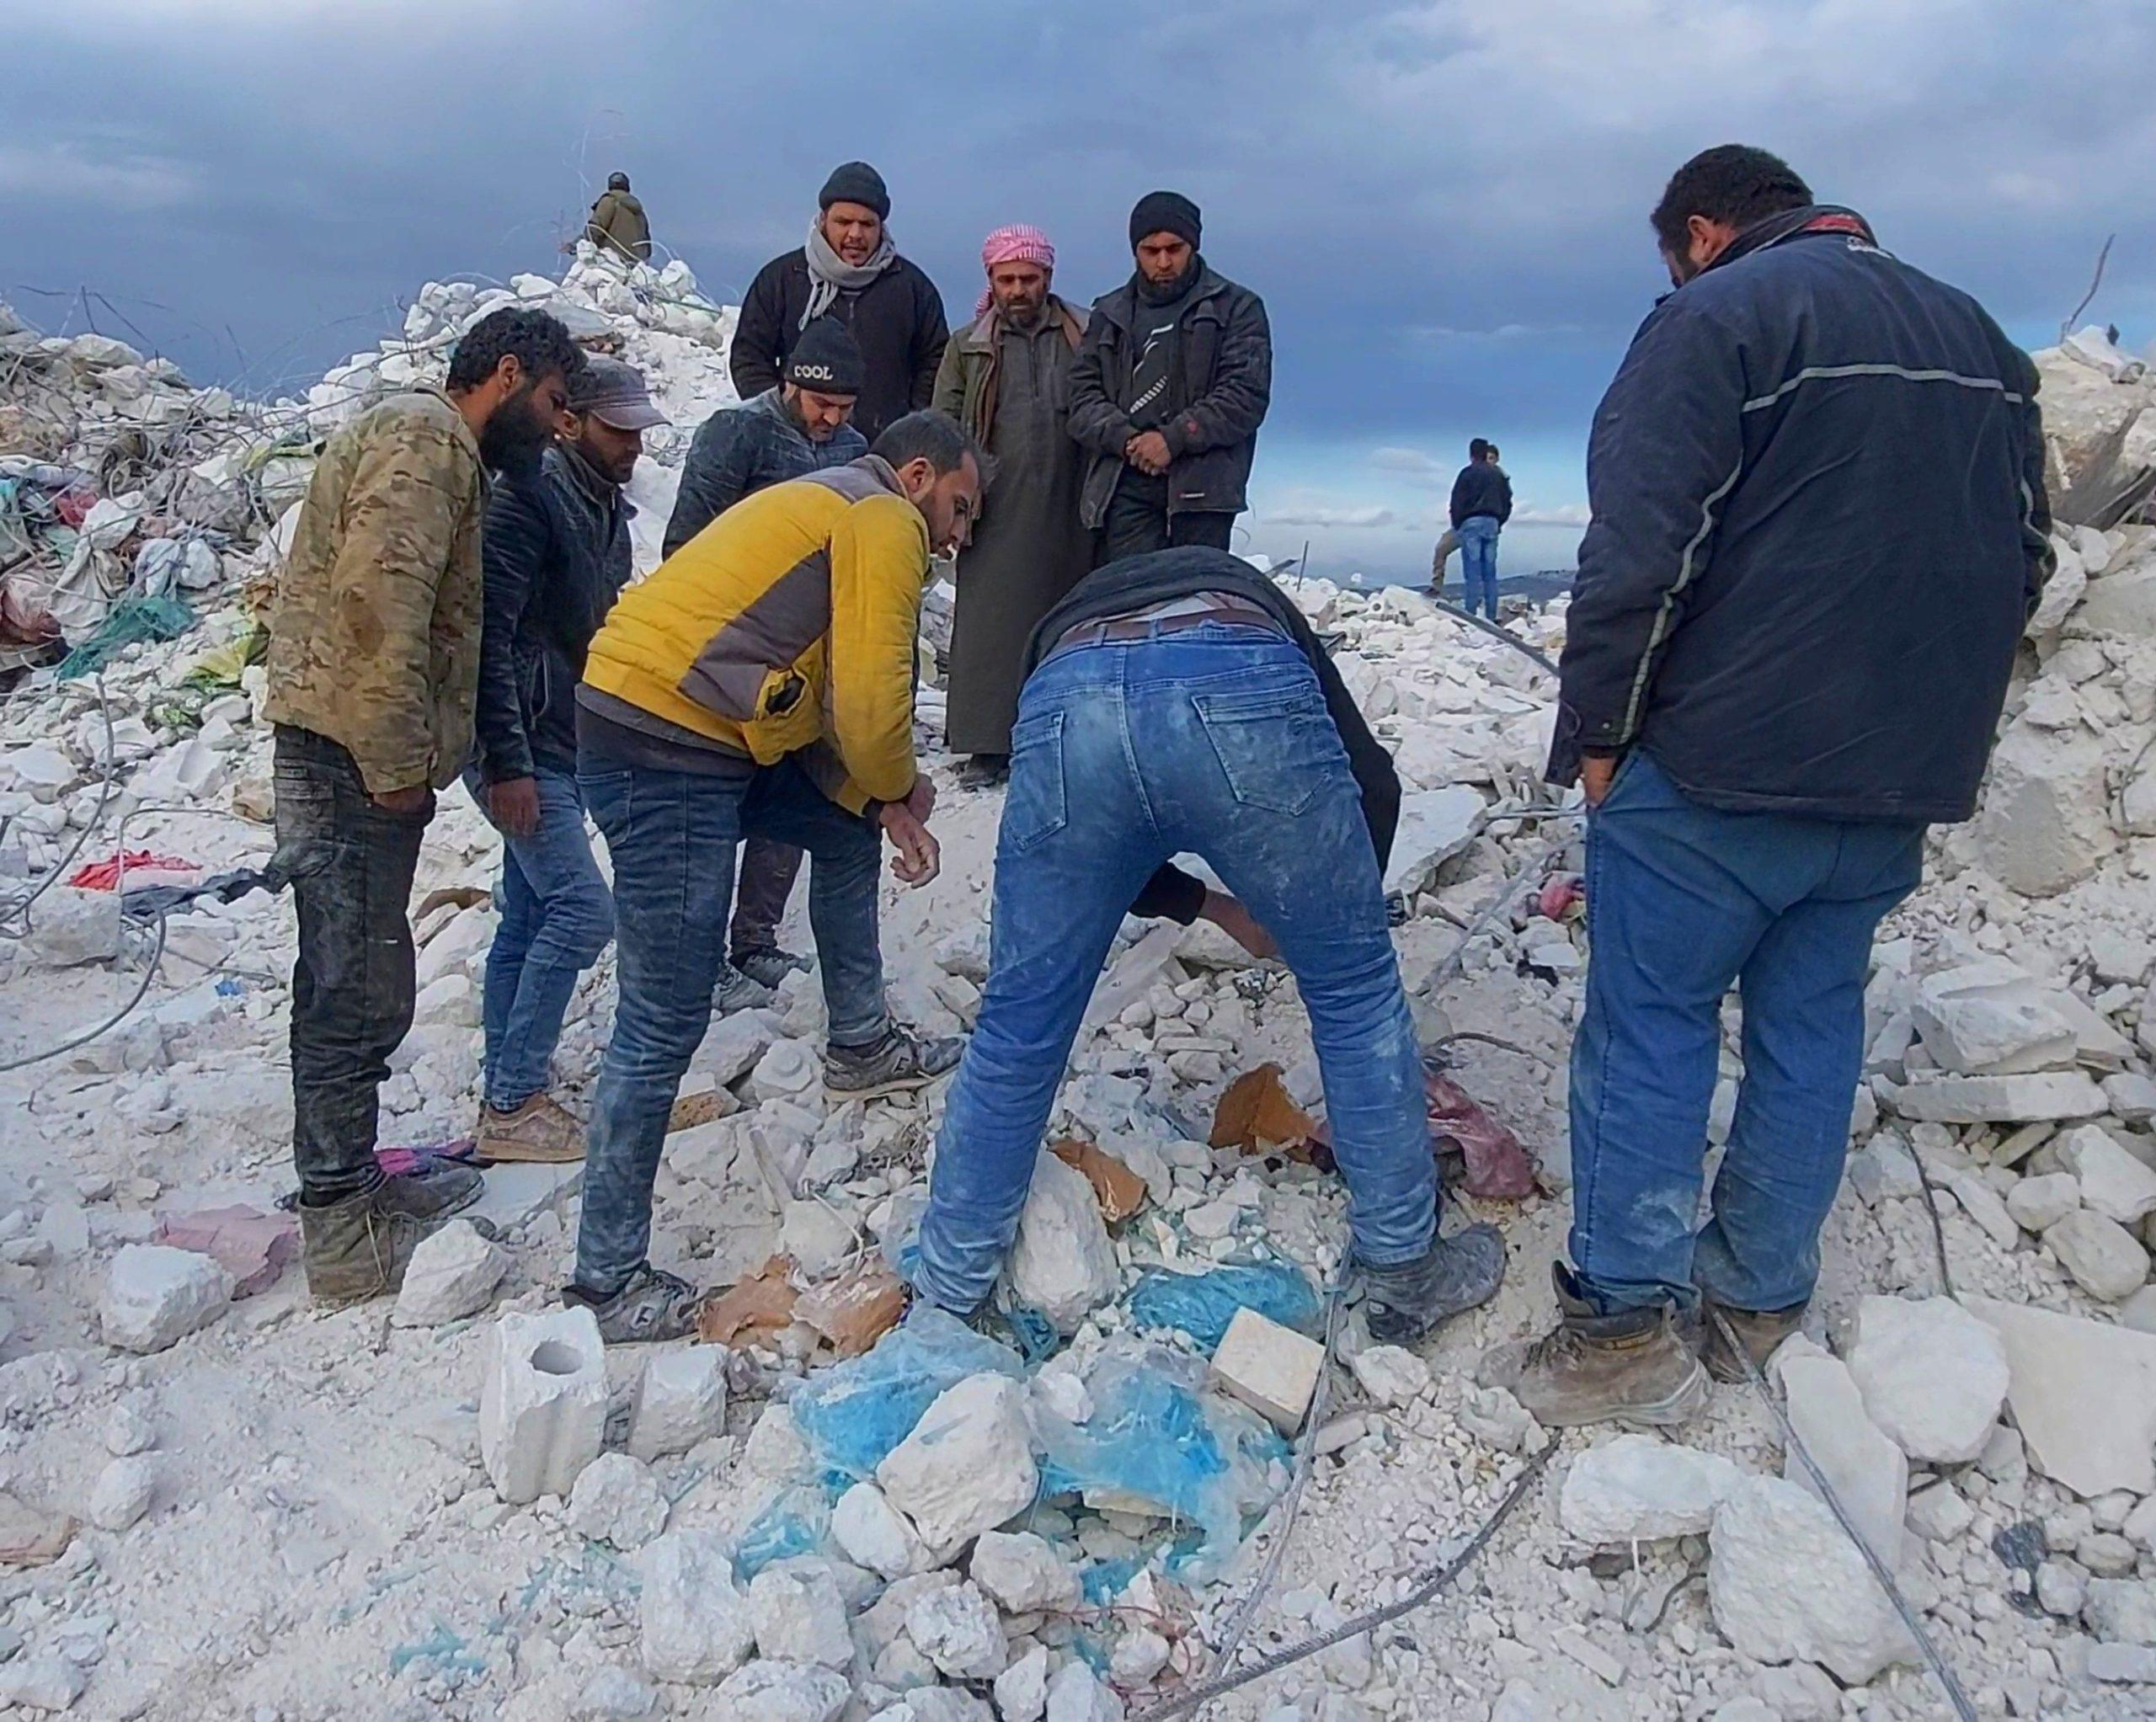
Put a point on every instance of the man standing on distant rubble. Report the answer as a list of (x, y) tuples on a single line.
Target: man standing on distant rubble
[(1178, 700), (760, 681), (373, 671), (1007, 378), (1818, 529), (556, 553), (850, 270), (801, 427), (617, 225), (1481, 503), (1172, 383)]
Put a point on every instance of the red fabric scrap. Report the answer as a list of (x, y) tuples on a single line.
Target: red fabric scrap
[(1497, 1166), (105, 875)]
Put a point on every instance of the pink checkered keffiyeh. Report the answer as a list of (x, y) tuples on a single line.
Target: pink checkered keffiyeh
[(1016, 244)]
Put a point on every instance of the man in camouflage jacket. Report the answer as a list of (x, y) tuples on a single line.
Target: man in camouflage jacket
[(374, 655)]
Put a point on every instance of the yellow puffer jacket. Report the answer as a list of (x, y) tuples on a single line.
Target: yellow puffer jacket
[(785, 625)]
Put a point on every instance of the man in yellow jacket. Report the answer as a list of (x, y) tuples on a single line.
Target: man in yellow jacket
[(759, 684)]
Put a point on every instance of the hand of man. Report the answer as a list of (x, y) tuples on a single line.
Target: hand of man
[(1228, 913), (920, 799), (512, 805), (1148, 451), (1596, 777), (920, 856), (405, 801)]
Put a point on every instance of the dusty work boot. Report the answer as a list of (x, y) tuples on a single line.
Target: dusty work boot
[(985, 771), (892, 1066), (435, 1190), (1406, 1304), (652, 1305), (1633, 1368), (359, 1247), (769, 968), (737, 991), (539, 1132), (1760, 1332)]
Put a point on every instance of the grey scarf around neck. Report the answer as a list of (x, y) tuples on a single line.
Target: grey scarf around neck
[(830, 274)]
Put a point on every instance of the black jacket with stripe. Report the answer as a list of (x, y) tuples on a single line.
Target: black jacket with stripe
[(1819, 529)]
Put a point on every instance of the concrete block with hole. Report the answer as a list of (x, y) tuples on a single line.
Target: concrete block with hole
[(542, 1410), (1271, 1368)]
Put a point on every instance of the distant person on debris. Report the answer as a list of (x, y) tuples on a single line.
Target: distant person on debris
[(850, 270), (556, 553), (760, 681), (617, 225), (1171, 384), (1819, 529), (373, 668), (1007, 378), (1481, 503), (802, 426), (1178, 700)]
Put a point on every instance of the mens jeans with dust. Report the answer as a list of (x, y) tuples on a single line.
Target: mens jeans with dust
[(556, 916), (1214, 739), (1683, 900), (350, 865), (1478, 564), (671, 835)]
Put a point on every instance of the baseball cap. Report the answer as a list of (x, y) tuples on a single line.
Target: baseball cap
[(614, 393)]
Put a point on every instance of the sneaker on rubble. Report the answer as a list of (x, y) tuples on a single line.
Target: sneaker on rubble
[(899, 1061), (1406, 1304), (1635, 1367), (650, 1306), (768, 968), (540, 1132), (738, 991), (359, 1246)]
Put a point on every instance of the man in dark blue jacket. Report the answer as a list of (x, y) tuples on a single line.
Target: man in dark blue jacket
[(555, 552), (1818, 529), (1481, 503)]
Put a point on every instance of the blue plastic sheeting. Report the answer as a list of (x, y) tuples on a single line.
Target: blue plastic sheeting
[(1203, 1304), (795, 1522), (854, 1413)]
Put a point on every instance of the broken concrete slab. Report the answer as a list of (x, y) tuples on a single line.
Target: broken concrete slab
[(1635, 1488), (542, 1408), (968, 1464), (2083, 1394), (2112, 1182), (1868, 1470), (2050, 1095), (2106, 1260), (1435, 826), (1933, 1377), (1271, 1368)]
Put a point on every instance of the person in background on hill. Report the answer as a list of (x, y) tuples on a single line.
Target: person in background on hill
[(1172, 381), (556, 553), (1481, 503), (1007, 378), (1178, 700), (1818, 529), (373, 673), (850, 270), (802, 426), (617, 225), (761, 681)]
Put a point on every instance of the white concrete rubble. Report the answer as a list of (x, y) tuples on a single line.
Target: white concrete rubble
[(1635, 1488), (155, 1296), (799, 1615), (959, 1630), (1062, 1264), (1271, 1368), (696, 1625), (967, 1467), (543, 1406), (780, 1692), (451, 1274), (125, 1489), (1932, 1375), (617, 1500), (1023, 1574), (680, 1399), (1866, 1468), (876, 1535)]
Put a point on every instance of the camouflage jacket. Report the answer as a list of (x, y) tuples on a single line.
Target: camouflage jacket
[(374, 633)]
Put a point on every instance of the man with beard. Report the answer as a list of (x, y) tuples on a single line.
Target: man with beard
[(556, 554), (850, 270), (1170, 385), (1007, 380), (373, 670), (800, 427)]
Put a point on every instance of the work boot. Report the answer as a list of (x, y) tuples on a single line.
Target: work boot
[(985, 771), (540, 1132), (1404, 1304), (897, 1062), (769, 966), (359, 1247), (651, 1305), (1760, 1332), (737, 991), (1633, 1368)]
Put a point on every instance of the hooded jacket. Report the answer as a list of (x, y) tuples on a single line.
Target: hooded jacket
[(618, 225), (1819, 529), (897, 320), (1222, 387), (740, 451)]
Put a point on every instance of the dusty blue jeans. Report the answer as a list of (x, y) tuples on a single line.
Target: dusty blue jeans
[(1213, 739), (1478, 565), (1684, 901)]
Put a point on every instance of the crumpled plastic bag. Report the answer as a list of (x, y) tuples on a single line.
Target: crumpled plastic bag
[(1203, 1304), (794, 1521), (855, 1413)]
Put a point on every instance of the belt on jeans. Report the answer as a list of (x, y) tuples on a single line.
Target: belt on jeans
[(1139, 627)]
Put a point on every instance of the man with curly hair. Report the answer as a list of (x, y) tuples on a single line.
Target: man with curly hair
[(373, 666)]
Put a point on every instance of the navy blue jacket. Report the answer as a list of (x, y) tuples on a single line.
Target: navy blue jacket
[(1818, 529), (740, 451), (1482, 489)]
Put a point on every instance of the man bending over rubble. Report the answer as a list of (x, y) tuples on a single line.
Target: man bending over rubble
[(1176, 700), (760, 683), (1819, 528), (373, 666)]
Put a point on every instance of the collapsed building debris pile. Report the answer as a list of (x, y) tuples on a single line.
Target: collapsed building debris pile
[(215, 1502)]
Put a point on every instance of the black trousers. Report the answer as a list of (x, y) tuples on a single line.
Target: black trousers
[(1139, 521), (768, 870), (350, 865)]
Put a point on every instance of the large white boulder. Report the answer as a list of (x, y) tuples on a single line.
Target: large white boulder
[(155, 1296), (1934, 1377), (695, 1623), (1062, 1264), (1637, 1489), (967, 1467)]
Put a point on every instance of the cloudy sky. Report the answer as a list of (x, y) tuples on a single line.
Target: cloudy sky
[(1443, 204)]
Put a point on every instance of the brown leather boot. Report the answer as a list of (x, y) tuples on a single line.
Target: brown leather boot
[(1760, 1332), (540, 1132), (1632, 1367), (360, 1247)]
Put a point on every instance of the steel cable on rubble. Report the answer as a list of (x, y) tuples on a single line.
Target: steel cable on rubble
[(1495, 633)]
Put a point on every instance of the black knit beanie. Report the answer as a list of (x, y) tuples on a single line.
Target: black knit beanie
[(1165, 212), (857, 182), (826, 360)]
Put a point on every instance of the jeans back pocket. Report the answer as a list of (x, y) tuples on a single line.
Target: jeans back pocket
[(1036, 806), (1278, 748)]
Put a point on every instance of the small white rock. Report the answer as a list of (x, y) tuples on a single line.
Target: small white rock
[(799, 1616), (155, 1296), (1391, 1375), (957, 1629), (1637, 1489), (1023, 1574), (125, 1489), (451, 1274), (617, 1500)]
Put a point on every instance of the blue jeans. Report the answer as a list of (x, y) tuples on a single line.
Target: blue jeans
[(1214, 739), (1683, 900), (556, 916), (1478, 564), (672, 836)]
